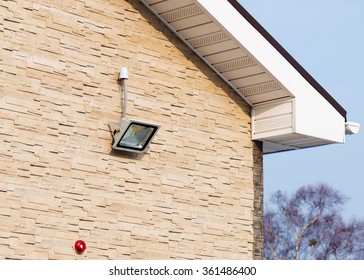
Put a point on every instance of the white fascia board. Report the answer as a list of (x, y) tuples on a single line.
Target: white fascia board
[(247, 37), (315, 116), (318, 118)]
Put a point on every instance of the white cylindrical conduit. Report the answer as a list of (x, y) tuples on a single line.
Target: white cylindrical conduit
[(123, 77)]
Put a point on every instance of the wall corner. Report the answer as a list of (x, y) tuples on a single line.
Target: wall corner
[(258, 221)]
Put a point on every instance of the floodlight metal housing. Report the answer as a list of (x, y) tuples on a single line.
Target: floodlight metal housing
[(133, 135)]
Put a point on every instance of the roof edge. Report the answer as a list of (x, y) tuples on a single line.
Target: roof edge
[(287, 56)]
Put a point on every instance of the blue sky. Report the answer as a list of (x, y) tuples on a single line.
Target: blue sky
[(327, 38)]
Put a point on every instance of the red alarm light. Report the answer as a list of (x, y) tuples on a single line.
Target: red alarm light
[(80, 246)]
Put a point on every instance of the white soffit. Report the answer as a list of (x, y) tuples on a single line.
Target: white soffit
[(290, 110)]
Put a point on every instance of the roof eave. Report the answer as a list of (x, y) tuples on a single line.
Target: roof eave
[(287, 102), (287, 56)]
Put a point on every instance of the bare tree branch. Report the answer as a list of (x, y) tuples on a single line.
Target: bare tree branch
[(308, 225)]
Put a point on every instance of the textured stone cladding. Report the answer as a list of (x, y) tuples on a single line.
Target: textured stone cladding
[(191, 196)]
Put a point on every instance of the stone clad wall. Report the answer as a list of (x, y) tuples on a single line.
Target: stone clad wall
[(191, 196)]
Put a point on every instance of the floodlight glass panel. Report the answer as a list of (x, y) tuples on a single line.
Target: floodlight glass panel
[(137, 136)]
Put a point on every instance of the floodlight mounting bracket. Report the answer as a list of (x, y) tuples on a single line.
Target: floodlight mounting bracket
[(115, 126)]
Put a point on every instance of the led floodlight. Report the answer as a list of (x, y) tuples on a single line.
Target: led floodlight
[(133, 136)]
